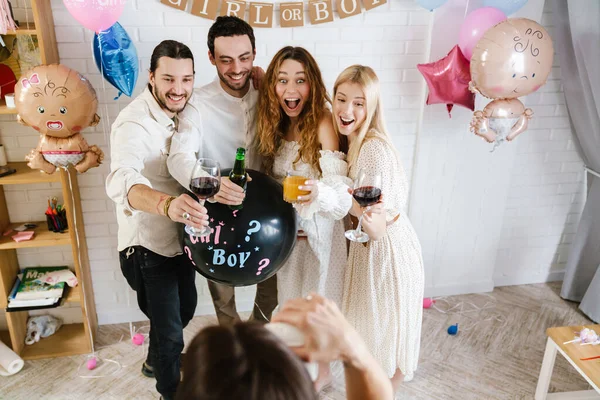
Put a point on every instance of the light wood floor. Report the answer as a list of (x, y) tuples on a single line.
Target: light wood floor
[(498, 357)]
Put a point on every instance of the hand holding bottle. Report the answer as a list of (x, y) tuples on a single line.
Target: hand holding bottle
[(233, 188)]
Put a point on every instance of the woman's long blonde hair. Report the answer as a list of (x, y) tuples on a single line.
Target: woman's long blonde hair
[(273, 122), (373, 126)]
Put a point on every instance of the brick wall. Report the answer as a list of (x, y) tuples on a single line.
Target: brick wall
[(392, 39), (546, 193)]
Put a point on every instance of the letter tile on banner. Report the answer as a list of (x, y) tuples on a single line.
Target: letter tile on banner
[(370, 4), (233, 7), (261, 15), (348, 8), (291, 14), (205, 8), (178, 4), (320, 11)]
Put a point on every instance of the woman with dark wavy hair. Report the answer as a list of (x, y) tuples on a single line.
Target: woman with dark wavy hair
[(295, 134), (243, 361), (247, 361)]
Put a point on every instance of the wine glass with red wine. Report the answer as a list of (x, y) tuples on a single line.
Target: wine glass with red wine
[(366, 192), (204, 183)]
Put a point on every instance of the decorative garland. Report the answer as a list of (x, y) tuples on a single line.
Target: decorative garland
[(261, 14)]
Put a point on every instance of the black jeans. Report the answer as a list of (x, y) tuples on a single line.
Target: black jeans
[(166, 293)]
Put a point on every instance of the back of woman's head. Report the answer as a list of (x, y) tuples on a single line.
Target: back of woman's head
[(242, 362)]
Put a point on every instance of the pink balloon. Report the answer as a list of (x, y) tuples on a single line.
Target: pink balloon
[(448, 81), (475, 25), (96, 15)]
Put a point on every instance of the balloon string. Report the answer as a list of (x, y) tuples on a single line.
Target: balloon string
[(107, 119), (466, 10), (76, 231)]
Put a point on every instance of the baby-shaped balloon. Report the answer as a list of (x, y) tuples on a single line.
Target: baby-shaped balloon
[(512, 59), (59, 103)]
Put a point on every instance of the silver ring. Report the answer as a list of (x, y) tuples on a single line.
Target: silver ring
[(368, 208), (185, 215)]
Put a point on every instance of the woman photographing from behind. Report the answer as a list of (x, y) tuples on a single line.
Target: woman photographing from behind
[(248, 362)]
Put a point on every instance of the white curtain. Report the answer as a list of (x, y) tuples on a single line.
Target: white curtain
[(577, 38)]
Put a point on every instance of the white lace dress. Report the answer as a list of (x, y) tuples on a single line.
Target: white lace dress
[(383, 290), (317, 263)]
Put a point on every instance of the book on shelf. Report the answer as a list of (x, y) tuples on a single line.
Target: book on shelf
[(31, 288), (25, 305), (33, 304)]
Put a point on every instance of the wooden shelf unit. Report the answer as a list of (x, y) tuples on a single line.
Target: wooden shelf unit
[(24, 29), (43, 28), (41, 238), (70, 339), (71, 296), (77, 335)]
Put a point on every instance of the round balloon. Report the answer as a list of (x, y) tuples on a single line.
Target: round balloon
[(116, 58), (431, 4), (59, 103), (512, 59), (96, 15), (474, 27), (508, 7), (246, 246), (56, 100)]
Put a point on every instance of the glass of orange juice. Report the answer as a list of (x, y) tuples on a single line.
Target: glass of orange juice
[(291, 183)]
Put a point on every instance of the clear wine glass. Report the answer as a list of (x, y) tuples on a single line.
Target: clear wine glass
[(204, 183), (366, 192)]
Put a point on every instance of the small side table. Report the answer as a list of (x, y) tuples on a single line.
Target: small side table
[(573, 352)]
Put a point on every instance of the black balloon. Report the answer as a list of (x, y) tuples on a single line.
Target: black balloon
[(246, 246)]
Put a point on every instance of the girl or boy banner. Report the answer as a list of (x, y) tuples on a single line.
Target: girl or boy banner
[(290, 14)]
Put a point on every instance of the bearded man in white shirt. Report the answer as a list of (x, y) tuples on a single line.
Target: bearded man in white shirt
[(221, 117), (150, 203)]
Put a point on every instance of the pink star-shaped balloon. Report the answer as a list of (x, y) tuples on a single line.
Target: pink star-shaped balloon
[(448, 81)]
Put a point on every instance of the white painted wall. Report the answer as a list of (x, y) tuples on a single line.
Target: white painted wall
[(467, 204)]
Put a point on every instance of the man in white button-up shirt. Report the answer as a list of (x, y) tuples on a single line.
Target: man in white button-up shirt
[(149, 204), (222, 117)]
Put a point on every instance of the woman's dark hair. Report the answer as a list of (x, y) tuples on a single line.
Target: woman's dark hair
[(229, 26), (243, 362)]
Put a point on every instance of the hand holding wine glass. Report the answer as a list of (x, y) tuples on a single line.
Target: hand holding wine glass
[(185, 205), (366, 192), (205, 182)]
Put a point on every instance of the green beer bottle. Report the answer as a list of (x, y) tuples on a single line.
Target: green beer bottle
[(238, 173)]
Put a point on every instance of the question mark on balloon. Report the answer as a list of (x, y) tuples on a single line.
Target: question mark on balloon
[(189, 254), (252, 230), (263, 264)]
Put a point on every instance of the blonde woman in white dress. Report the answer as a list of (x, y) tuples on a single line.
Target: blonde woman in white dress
[(383, 290), (295, 133)]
